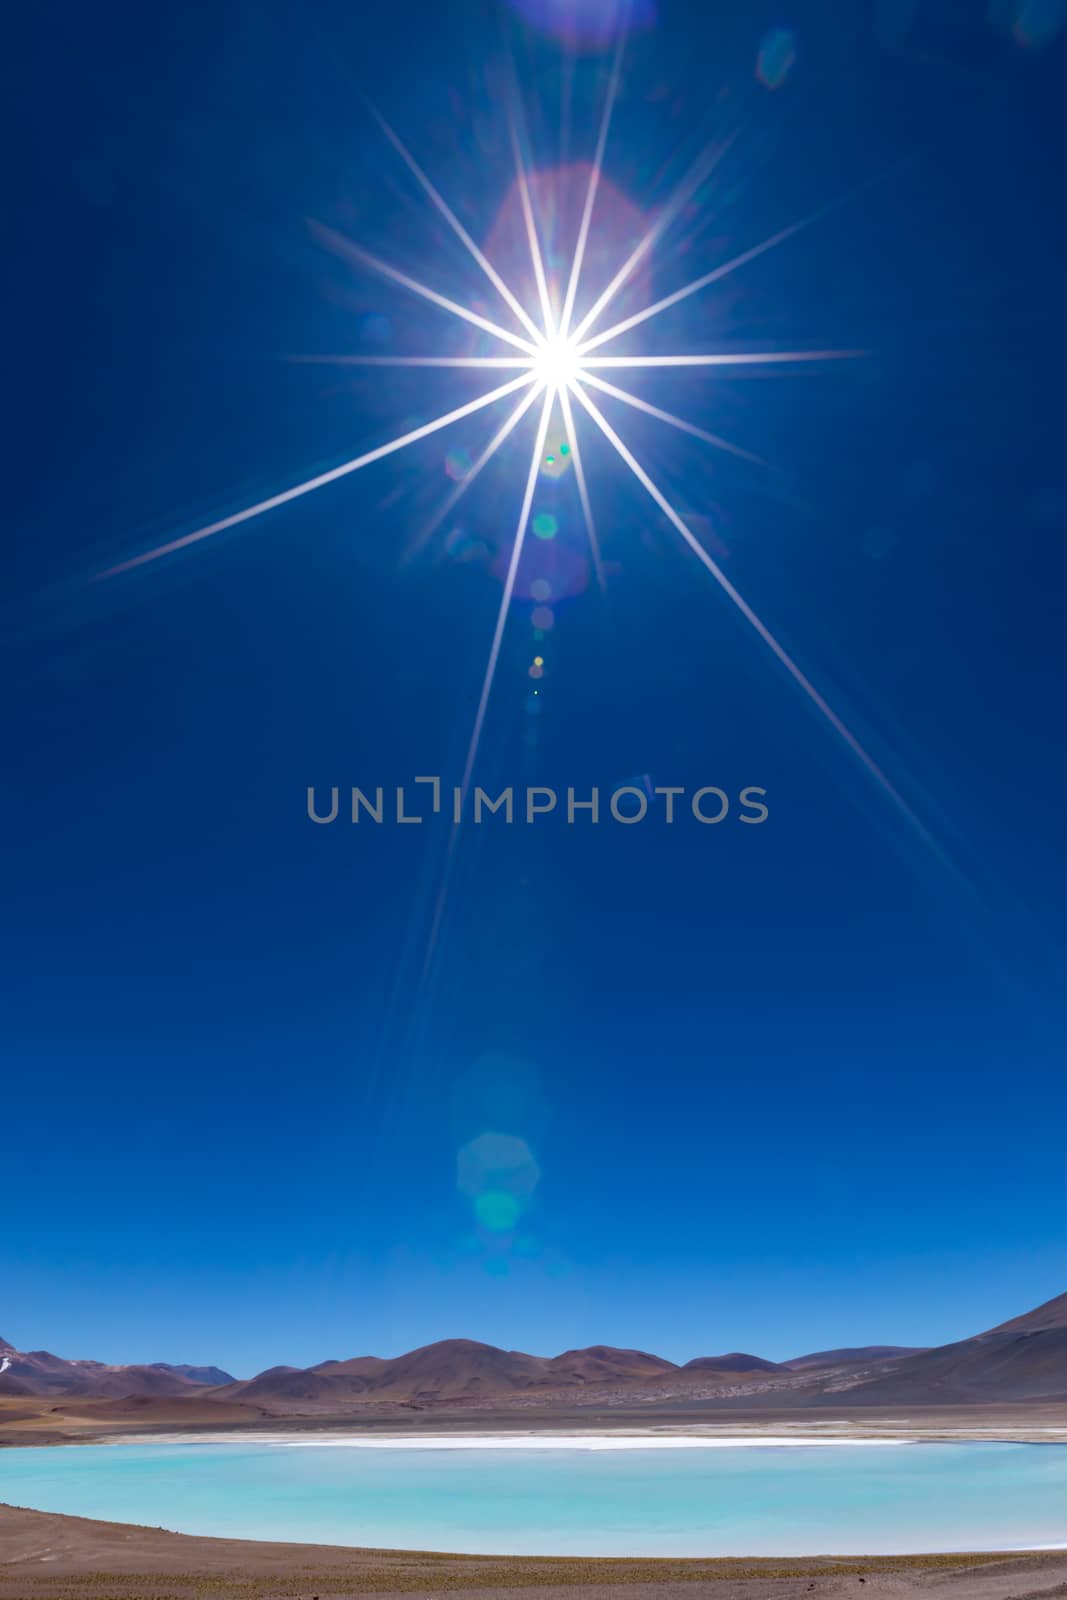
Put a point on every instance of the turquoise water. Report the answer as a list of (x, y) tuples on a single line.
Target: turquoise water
[(633, 1501)]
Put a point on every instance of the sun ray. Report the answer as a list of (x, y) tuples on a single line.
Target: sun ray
[(318, 482), (751, 617), (531, 234), (486, 363), (344, 247), (448, 864), (460, 489), (668, 416), (458, 229), (580, 480), (591, 191), (509, 588), (701, 169), (740, 358), (741, 260), (697, 284)]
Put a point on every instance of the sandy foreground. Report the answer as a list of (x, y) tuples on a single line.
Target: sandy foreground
[(66, 1557), (70, 1558)]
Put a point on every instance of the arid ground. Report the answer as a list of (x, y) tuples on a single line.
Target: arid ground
[(67, 1558), (38, 1422)]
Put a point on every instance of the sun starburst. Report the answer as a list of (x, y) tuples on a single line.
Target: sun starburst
[(557, 362)]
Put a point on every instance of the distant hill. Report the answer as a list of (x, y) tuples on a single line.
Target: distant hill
[(987, 1370), (601, 1363), (357, 1367), (290, 1387), (451, 1369), (1024, 1359), (1021, 1360), (39, 1372), (846, 1357), (208, 1377), (736, 1361), (454, 1368)]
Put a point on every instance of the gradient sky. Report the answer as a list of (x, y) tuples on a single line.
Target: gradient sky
[(785, 1087)]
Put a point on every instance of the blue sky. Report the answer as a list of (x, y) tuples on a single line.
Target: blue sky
[(781, 1087)]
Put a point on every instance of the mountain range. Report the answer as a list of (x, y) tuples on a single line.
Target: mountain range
[(39, 1372), (1022, 1360)]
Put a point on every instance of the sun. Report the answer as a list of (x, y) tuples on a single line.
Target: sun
[(558, 362)]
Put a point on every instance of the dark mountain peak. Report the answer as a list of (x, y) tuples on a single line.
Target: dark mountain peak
[(603, 1363), (611, 1352), (1043, 1319), (734, 1361), (207, 1377), (456, 1347)]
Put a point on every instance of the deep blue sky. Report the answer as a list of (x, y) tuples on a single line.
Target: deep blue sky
[(787, 1086)]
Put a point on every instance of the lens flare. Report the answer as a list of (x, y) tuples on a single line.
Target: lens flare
[(557, 358)]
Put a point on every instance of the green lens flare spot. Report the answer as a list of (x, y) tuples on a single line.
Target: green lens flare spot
[(497, 1210), (545, 525), (564, 449)]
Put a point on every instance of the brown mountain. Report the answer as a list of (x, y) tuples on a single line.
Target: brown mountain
[(455, 1369), (601, 1363), (450, 1370), (205, 1377), (357, 1367), (1047, 1318), (994, 1367), (295, 1387), (865, 1353), (990, 1369), (39, 1372), (1023, 1359), (736, 1361)]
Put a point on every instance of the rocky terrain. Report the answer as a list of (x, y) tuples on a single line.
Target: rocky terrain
[(1021, 1361)]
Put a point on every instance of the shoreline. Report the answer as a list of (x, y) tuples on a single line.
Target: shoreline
[(603, 1572), (44, 1553), (86, 1426), (600, 1440), (70, 1558)]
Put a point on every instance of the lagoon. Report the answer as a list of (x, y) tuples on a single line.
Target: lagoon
[(607, 1496)]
